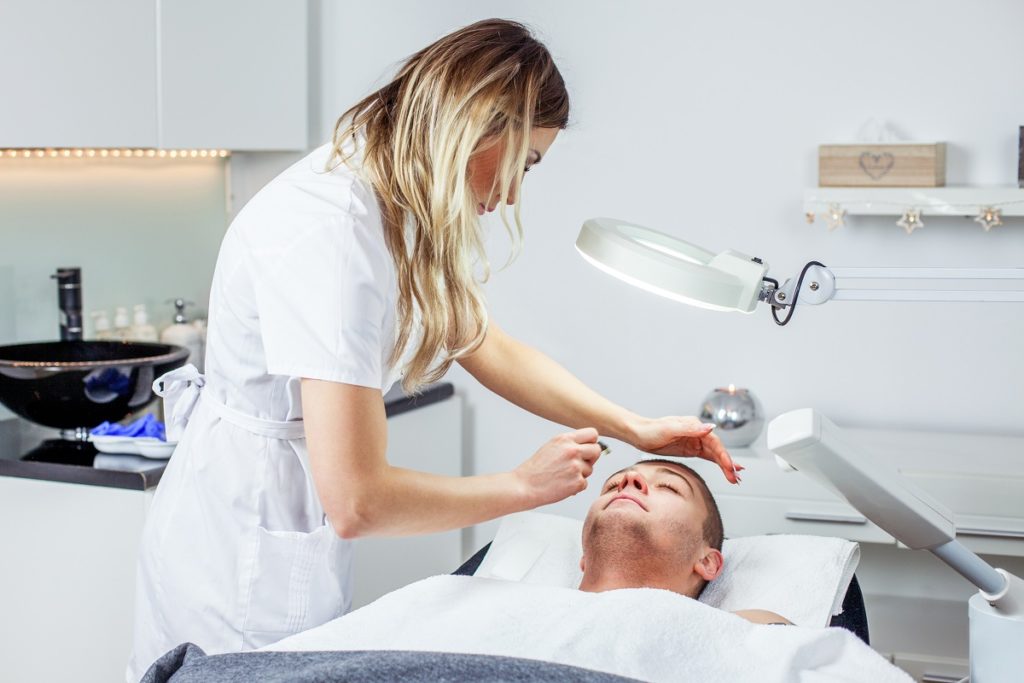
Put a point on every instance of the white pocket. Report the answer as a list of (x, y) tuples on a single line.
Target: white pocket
[(299, 580)]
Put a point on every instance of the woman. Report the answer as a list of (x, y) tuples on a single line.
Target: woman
[(352, 268)]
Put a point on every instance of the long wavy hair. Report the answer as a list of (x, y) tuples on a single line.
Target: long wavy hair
[(486, 84)]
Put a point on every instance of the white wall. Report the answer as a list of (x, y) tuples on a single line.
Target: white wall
[(703, 119), (142, 230)]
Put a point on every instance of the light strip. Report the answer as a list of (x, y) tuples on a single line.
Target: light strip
[(111, 153)]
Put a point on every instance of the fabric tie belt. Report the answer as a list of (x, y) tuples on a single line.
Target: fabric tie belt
[(181, 390)]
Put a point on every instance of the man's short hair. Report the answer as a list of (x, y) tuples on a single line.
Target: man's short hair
[(713, 531)]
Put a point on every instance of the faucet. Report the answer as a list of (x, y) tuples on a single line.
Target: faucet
[(69, 299)]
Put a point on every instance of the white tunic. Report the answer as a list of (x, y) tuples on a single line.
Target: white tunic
[(237, 552)]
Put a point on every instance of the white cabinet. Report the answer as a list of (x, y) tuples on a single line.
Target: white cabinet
[(932, 669), (233, 74), (173, 74), (67, 579), (78, 74)]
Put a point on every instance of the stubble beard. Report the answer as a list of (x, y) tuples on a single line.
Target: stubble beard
[(626, 547)]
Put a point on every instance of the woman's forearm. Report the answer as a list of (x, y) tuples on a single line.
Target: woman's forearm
[(535, 382), (403, 502)]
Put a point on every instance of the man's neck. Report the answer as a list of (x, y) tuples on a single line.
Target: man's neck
[(613, 578)]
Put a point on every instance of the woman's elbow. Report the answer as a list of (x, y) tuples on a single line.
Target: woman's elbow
[(352, 520)]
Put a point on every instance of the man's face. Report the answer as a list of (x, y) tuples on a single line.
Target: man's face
[(658, 504)]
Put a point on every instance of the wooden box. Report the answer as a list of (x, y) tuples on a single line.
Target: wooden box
[(882, 165)]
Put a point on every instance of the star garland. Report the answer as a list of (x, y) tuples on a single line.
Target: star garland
[(834, 216), (989, 217), (911, 220)]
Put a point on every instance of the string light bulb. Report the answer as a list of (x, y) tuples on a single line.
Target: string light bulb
[(107, 152), (834, 216), (911, 220), (989, 217)]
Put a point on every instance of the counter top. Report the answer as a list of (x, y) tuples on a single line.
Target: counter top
[(18, 436)]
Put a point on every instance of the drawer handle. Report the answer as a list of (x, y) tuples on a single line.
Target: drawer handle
[(941, 678), (990, 533), (833, 518)]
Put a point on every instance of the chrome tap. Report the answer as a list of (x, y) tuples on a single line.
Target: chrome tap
[(69, 300)]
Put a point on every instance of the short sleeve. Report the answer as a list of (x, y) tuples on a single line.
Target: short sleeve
[(322, 296)]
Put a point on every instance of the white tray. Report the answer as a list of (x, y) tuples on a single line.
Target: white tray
[(146, 446)]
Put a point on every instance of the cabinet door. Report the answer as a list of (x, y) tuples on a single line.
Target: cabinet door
[(68, 578), (233, 74), (78, 74)]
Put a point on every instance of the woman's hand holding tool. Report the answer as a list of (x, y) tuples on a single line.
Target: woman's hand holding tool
[(561, 467)]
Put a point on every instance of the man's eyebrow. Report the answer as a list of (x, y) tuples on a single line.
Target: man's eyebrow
[(680, 475)]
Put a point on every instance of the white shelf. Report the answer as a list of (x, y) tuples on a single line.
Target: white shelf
[(930, 201)]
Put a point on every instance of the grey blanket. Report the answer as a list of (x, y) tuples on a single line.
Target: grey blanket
[(187, 663)]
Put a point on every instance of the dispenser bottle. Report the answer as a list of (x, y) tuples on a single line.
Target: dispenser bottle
[(182, 333), (142, 330), (101, 326), (122, 323)]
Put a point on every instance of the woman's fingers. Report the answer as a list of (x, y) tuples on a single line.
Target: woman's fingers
[(715, 451), (585, 435)]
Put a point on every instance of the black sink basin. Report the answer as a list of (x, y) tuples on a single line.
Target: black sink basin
[(76, 384)]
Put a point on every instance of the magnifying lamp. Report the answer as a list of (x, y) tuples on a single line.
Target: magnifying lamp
[(731, 281)]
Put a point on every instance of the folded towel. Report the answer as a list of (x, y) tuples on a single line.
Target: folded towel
[(803, 578), (644, 633), (147, 425)]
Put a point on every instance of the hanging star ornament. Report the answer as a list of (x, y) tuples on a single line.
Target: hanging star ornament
[(989, 217), (834, 216), (911, 220)]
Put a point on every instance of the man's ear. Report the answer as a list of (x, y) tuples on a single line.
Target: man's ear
[(709, 566)]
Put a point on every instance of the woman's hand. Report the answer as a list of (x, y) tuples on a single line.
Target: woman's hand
[(684, 436), (560, 468)]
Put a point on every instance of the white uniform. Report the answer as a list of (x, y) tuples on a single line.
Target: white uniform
[(237, 552)]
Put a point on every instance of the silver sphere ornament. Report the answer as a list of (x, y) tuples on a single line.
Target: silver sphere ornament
[(736, 414)]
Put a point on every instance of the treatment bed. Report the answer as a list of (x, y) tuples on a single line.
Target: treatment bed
[(382, 642)]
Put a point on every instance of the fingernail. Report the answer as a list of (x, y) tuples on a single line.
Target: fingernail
[(709, 425)]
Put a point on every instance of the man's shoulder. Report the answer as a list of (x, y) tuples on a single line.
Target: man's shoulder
[(762, 616)]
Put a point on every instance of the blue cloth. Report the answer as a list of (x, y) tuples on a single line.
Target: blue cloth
[(147, 425)]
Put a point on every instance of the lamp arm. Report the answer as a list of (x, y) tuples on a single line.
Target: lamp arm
[(814, 445), (823, 284)]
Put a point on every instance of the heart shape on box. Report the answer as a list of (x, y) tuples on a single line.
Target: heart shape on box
[(876, 165)]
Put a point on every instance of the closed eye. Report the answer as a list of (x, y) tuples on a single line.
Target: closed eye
[(670, 488), (611, 485)]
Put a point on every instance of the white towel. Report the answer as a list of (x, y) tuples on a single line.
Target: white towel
[(803, 578), (644, 633)]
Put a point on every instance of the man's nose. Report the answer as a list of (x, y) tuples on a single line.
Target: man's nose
[(634, 480)]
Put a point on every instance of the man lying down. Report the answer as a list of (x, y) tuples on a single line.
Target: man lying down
[(651, 541)]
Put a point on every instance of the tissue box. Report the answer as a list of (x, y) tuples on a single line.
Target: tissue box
[(882, 165)]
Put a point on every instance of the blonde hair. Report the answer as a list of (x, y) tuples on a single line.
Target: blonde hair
[(486, 84)]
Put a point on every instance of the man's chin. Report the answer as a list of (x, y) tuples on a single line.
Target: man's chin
[(617, 529)]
